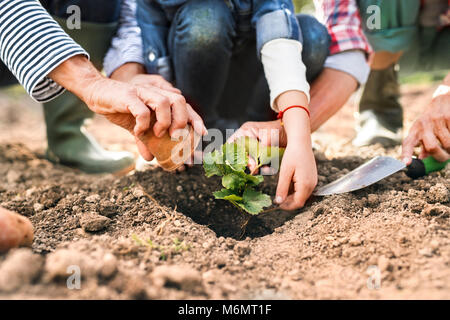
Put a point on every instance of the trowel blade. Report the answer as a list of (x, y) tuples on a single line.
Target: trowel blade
[(363, 176)]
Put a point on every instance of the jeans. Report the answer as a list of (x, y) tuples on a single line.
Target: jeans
[(97, 13), (216, 67)]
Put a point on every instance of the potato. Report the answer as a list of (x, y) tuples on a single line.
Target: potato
[(15, 230)]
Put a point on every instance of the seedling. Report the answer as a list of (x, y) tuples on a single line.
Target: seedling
[(177, 246), (230, 163)]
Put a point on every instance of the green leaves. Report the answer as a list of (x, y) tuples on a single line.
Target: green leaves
[(263, 155), (230, 163), (254, 201), (226, 194), (213, 164)]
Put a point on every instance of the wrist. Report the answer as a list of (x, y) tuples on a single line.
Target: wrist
[(295, 120), (76, 74), (297, 125), (127, 71), (290, 98)]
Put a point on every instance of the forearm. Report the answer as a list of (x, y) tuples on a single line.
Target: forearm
[(296, 120), (329, 92), (127, 71), (75, 74)]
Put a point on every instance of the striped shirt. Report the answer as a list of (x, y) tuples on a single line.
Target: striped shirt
[(32, 44)]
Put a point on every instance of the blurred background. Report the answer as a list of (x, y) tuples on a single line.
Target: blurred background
[(305, 6)]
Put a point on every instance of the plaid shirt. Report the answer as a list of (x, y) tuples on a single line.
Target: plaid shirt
[(344, 25), (343, 21)]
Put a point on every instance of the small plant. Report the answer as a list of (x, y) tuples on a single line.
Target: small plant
[(177, 246), (239, 187)]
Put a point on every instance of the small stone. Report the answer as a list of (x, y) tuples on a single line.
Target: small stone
[(109, 265), (355, 240), (439, 193), (434, 244), (177, 223), (93, 222), (138, 193), (93, 198), (372, 200), (229, 287), (242, 250), (179, 188), (230, 243), (207, 245), (426, 252), (20, 268), (177, 277), (329, 238), (13, 176), (63, 262), (30, 192), (38, 207), (209, 276)]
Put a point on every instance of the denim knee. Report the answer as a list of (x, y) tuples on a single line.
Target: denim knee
[(203, 26), (316, 44)]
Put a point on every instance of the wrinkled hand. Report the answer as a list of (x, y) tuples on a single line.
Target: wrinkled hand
[(129, 106), (125, 104), (432, 131), (153, 80)]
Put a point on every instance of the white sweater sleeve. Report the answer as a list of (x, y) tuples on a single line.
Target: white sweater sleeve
[(284, 68)]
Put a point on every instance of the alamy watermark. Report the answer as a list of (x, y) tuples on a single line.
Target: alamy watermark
[(216, 138), (74, 280), (374, 280), (73, 22), (373, 21)]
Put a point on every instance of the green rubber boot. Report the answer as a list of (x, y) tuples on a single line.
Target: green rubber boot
[(380, 113), (70, 144), (68, 141)]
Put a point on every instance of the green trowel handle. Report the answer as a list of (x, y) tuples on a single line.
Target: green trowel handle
[(419, 168)]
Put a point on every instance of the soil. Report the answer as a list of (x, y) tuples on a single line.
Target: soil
[(158, 235)]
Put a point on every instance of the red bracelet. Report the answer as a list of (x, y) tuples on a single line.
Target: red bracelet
[(281, 113)]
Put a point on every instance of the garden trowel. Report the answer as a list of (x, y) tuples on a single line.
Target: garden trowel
[(376, 170)]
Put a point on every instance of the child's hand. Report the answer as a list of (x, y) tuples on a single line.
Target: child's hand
[(298, 177), (298, 172)]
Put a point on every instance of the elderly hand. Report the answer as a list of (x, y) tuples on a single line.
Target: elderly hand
[(125, 104), (135, 73), (431, 130)]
